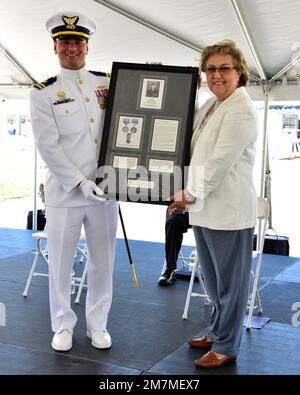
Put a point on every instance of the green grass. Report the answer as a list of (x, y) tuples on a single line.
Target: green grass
[(16, 169)]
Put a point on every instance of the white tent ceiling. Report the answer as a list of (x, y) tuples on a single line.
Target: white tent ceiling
[(168, 31)]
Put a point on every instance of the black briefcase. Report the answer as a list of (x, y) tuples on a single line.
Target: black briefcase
[(276, 245), (41, 220)]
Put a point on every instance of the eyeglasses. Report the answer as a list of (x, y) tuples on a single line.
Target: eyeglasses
[(222, 70), (67, 43)]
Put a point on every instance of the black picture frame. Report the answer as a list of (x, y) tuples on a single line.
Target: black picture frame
[(148, 126)]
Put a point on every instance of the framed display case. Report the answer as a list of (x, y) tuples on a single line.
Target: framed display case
[(147, 131)]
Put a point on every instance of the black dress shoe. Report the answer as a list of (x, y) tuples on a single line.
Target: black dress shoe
[(167, 278)]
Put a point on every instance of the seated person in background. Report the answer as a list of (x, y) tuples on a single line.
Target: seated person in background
[(175, 226)]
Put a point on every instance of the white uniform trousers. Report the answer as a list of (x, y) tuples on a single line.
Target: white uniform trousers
[(63, 228)]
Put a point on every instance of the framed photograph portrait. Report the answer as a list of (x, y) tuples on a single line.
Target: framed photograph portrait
[(152, 93), (147, 131)]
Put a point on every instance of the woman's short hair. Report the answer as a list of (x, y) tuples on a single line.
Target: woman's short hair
[(227, 47)]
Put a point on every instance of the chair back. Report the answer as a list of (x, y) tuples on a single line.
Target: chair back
[(263, 208)]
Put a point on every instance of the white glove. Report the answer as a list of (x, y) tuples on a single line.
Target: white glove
[(88, 188)]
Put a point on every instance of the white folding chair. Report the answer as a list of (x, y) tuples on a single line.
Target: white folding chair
[(195, 265), (262, 215), (42, 252), (81, 281), (186, 261)]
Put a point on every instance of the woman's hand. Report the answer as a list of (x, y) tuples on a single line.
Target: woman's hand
[(179, 203)]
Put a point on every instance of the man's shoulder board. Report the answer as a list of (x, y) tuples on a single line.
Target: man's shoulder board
[(100, 73), (44, 84)]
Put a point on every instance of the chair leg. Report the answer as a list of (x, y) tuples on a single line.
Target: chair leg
[(43, 254), (83, 253), (32, 270), (81, 284), (260, 310), (31, 274), (188, 297), (186, 260), (207, 301), (263, 226), (83, 277), (254, 291)]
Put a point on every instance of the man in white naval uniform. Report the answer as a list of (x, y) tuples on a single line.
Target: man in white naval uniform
[(67, 123)]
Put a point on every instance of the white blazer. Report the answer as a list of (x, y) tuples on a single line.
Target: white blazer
[(225, 151), (68, 134)]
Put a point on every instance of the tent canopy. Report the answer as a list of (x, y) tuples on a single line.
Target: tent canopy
[(172, 32)]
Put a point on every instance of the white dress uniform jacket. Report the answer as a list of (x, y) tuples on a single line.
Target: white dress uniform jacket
[(225, 149), (67, 125), (66, 115)]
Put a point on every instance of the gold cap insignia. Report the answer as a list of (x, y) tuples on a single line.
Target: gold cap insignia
[(70, 22)]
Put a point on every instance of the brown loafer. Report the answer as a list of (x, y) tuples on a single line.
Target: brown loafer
[(201, 342), (210, 360)]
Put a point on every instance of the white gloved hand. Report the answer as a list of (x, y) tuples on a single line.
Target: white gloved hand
[(88, 188)]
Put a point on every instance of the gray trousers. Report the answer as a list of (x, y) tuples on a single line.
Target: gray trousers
[(225, 261)]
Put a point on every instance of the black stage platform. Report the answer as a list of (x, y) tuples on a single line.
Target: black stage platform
[(148, 333)]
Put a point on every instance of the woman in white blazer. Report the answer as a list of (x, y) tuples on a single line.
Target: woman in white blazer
[(221, 198)]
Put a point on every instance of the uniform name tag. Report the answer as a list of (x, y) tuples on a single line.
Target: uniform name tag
[(63, 101)]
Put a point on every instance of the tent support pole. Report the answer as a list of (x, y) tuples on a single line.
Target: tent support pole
[(157, 29), (267, 89), (34, 212), (245, 30), (284, 69), (17, 65), (150, 25)]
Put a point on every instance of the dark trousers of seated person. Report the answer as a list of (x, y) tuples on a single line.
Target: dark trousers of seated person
[(175, 226)]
